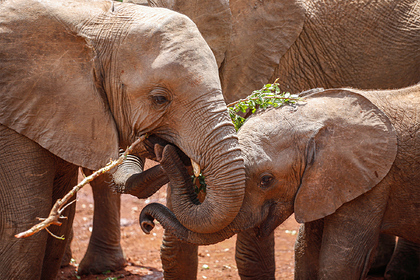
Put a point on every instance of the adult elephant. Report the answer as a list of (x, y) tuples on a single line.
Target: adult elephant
[(80, 79), (306, 44), (344, 161)]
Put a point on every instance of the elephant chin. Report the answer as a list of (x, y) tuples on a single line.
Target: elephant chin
[(272, 221)]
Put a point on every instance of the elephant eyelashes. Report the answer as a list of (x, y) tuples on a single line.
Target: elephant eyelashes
[(160, 96), (266, 181), (159, 99)]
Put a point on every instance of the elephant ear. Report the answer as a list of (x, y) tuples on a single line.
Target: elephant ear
[(47, 83), (351, 151), (262, 33), (212, 17)]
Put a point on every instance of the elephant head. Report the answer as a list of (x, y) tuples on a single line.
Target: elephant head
[(98, 74), (309, 158)]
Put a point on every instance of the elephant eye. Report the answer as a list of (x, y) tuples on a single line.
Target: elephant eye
[(266, 181), (160, 99), (160, 96)]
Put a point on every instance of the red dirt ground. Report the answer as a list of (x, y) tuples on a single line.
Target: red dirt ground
[(142, 251)]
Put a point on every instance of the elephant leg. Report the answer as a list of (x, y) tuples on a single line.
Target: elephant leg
[(179, 259), (255, 257), (383, 254), (347, 255), (307, 249), (26, 184), (350, 236), (104, 251), (65, 179), (405, 263)]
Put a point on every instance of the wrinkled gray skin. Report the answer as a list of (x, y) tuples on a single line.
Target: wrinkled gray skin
[(95, 77), (307, 44), (344, 161)]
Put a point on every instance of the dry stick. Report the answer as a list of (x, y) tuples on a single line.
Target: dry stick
[(60, 205)]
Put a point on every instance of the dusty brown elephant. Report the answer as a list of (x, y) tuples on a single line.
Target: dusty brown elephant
[(80, 79), (345, 161), (306, 44)]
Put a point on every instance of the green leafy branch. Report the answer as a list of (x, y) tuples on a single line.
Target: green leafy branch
[(200, 185), (268, 96)]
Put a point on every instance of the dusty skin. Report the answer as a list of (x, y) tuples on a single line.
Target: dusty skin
[(142, 251)]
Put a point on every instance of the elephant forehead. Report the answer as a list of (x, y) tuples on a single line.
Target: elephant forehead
[(272, 135), (185, 59), (260, 138), (167, 46), (167, 31), (186, 54), (266, 125)]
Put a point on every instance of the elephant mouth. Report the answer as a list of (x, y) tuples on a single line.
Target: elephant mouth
[(264, 229), (147, 182), (147, 149), (272, 219)]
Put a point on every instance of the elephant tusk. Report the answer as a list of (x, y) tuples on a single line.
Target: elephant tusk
[(196, 168)]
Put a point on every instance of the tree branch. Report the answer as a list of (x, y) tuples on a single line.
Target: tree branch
[(61, 204), (256, 98)]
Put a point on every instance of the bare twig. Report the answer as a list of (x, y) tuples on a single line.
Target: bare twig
[(61, 204)]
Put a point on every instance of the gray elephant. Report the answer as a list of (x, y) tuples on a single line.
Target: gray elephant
[(79, 79), (345, 161)]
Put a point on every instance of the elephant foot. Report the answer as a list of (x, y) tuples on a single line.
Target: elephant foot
[(99, 261)]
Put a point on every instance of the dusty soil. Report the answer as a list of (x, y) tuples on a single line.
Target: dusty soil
[(142, 251)]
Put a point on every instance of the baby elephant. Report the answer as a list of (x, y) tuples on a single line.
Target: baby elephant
[(346, 162)]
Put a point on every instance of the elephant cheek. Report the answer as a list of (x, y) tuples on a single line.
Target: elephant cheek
[(277, 214)]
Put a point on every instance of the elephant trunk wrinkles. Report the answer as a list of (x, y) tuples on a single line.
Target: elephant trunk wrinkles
[(170, 223), (131, 179), (181, 186), (131, 165), (225, 179), (145, 184)]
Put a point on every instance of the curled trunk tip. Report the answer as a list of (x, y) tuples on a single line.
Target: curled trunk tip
[(170, 223)]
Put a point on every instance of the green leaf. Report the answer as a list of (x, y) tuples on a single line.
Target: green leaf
[(268, 96)]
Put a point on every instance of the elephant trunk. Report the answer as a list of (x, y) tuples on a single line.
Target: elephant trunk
[(220, 204), (130, 178), (145, 184), (131, 165), (168, 220)]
